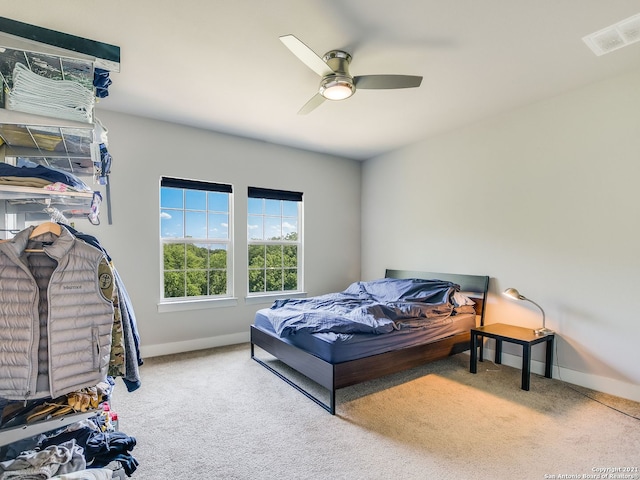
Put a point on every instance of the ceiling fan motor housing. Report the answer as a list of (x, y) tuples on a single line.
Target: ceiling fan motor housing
[(338, 85)]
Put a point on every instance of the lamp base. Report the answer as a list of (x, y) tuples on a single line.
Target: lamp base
[(543, 331)]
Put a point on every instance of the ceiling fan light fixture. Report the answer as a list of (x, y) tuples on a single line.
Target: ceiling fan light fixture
[(337, 87), (337, 83)]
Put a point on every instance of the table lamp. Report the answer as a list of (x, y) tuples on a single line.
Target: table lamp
[(513, 293)]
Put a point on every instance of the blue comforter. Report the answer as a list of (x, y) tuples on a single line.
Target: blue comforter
[(379, 306)]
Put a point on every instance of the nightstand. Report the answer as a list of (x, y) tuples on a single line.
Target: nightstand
[(509, 333)]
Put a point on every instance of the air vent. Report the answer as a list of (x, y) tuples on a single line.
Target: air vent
[(615, 36)]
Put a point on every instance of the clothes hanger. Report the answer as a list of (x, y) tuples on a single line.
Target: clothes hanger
[(46, 227)]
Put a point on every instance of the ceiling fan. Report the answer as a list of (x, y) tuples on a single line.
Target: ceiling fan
[(337, 83)]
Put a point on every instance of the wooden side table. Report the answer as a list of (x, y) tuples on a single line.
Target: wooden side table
[(512, 334)]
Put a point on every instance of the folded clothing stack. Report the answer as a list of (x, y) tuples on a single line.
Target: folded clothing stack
[(39, 176), (66, 99)]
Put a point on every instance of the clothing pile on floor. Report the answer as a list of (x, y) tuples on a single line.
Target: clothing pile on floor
[(81, 447)]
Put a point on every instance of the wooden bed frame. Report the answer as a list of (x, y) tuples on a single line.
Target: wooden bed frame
[(334, 376)]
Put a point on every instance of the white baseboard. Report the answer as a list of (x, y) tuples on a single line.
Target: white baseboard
[(587, 380), (600, 384), (147, 351)]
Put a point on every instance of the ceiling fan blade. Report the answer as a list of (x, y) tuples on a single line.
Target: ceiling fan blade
[(387, 81), (312, 104), (306, 55)]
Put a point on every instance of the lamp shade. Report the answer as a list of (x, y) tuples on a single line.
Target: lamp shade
[(513, 293)]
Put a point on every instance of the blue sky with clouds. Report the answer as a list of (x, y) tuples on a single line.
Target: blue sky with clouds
[(207, 215)]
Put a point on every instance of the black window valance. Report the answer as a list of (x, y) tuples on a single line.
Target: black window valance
[(195, 185), (256, 192)]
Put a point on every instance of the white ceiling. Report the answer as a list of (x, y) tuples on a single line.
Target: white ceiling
[(219, 65)]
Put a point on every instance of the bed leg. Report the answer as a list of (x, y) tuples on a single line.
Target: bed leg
[(330, 407), (332, 402)]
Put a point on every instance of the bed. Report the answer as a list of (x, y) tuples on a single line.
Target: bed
[(339, 359)]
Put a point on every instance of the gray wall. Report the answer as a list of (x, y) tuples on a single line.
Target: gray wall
[(545, 199), (144, 150)]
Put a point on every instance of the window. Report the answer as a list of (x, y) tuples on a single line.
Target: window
[(196, 239), (274, 235)]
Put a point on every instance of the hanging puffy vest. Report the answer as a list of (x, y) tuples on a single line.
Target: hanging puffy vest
[(56, 315)]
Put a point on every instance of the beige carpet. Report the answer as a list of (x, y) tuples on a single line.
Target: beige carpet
[(216, 414)]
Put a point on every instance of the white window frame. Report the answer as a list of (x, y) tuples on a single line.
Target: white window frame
[(203, 301), (269, 194)]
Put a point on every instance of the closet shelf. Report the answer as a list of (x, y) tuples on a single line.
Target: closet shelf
[(64, 144), (10, 435), (11, 192), (37, 204), (14, 117), (31, 38), (36, 136), (43, 132)]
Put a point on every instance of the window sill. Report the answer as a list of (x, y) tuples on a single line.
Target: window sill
[(269, 298), (196, 304)]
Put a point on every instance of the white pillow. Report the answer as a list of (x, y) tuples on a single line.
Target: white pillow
[(460, 299)]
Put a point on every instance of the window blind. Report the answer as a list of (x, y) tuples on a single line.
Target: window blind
[(195, 185), (256, 192)]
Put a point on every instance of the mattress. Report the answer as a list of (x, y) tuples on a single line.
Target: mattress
[(342, 347)]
